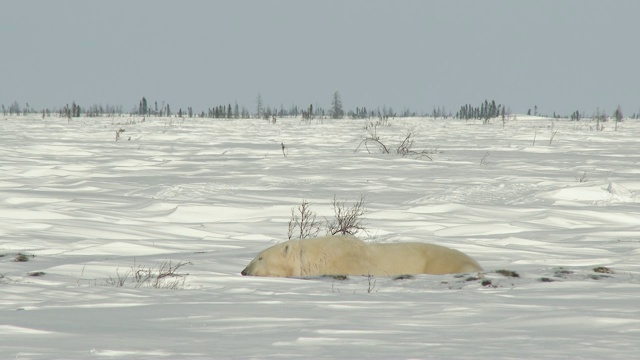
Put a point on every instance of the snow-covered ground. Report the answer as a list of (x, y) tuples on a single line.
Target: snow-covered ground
[(88, 212)]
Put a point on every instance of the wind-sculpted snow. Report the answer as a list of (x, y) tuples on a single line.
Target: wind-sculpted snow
[(84, 218)]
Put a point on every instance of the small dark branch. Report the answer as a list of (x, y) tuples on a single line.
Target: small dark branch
[(372, 285), (483, 161), (119, 133), (583, 178), (384, 148)]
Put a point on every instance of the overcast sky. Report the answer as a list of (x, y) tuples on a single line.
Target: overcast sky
[(561, 55)]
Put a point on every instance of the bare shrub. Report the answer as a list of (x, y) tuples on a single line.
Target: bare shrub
[(346, 220), (304, 220), (164, 276), (119, 280), (583, 178), (4, 279), (405, 146), (372, 130), (404, 149)]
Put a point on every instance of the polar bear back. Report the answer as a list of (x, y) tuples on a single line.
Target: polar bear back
[(334, 255), (419, 258)]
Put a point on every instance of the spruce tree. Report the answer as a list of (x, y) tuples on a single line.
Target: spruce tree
[(336, 106), (142, 110), (259, 106)]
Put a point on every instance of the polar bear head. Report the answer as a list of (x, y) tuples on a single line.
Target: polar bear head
[(279, 260)]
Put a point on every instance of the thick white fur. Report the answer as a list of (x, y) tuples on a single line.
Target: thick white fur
[(348, 255)]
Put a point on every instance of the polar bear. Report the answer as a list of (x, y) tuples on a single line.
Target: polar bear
[(348, 255)]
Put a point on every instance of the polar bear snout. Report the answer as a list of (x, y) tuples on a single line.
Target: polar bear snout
[(247, 271)]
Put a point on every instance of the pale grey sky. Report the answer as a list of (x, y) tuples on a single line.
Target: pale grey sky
[(562, 55)]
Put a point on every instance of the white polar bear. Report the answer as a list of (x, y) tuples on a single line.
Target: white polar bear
[(348, 255)]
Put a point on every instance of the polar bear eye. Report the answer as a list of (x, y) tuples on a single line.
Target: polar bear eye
[(260, 258)]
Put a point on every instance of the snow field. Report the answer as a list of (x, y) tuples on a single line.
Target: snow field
[(209, 193)]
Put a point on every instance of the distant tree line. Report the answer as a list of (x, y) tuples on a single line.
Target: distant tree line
[(103, 110), (484, 111), (73, 110)]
